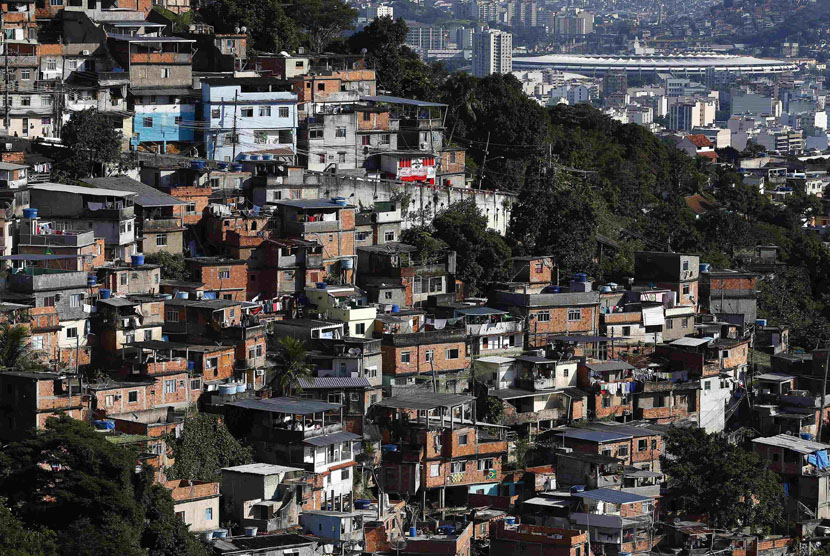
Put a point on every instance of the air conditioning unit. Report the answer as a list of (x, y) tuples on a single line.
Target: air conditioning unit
[(85, 53), (424, 146), (260, 372)]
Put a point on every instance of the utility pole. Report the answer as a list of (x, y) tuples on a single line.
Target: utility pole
[(6, 115), (233, 133), (823, 391), (484, 162)]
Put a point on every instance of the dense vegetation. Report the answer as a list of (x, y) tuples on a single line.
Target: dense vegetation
[(67, 490)]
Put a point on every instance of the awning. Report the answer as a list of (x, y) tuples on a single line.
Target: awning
[(653, 316)]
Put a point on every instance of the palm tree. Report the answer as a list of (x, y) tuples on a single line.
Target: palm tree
[(16, 352), (292, 367)]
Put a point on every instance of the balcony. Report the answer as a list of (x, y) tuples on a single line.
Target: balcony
[(20, 61), (66, 238), (124, 213), (320, 226), (162, 225), (507, 327), (160, 58), (113, 78)]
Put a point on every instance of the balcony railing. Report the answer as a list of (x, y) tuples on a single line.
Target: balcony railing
[(162, 224), (70, 239)]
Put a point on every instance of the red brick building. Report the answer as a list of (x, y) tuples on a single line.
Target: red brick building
[(227, 278)]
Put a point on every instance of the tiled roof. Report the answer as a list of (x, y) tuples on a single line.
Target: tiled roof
[(699, 140)]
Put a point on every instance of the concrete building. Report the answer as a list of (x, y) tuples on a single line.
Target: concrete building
[(196, 503), (109, 213), (249, 115), (262, 495), (492, 52)]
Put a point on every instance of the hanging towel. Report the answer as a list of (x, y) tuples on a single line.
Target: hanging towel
[(439, 324)]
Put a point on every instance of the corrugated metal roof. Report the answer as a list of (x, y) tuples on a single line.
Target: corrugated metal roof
[(80, 190), (605, 366), (774, 377), (479, 311), (335, 382), (294, 406), (261, 469), (612, 496), (497, 359), (793, 443), (329, 439), (146, 196), (424, 400), (400, 100)]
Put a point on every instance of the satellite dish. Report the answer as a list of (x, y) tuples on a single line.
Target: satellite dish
[(363, 51), (236, 29), (244, 29)]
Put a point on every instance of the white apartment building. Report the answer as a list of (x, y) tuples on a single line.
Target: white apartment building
[(492, 52)]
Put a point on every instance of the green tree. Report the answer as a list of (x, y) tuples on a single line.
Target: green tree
[(203, 448), (482, 254), (18, 540), (292, 367), (398, 69), (787, 299), (556, 215), (427, 245), (323, 20), (172, 265), (732, 486), (268, 26), (16, 351), (91, 145), (69, 479)]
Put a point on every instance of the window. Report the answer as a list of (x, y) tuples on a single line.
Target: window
[(707, 385), (463, 439), (341, 157), (75, 299), (321, 86), (169, 386), (25, 101), (659, 400), (190, 208), (209, 514), (457, 466), (247, 112), (334, 397), (685, 289), (685, 264), (685, 322), (264, 111), (321, 159), (224, 273), (429, 355), (360, 328), (164, 73), (626, 331), (485, 464), (622, 452), (669, 324), (196, 384), (385, 139), (606, 401), (37, 342), (283, 112), (452, 353), (434, 469), (340, 132), (26, 75), (123, 278), (642, 445), (132, 396), (172, 316), (543, 316), (49, 301), (436, 285), (574, 315), (161, 240), (109, 400), (177, 120), (215, 113), (565, 372), (315, 133), (259, 350), (389, 236), (148, 335), (405, 356), (344, 474), (147, 122)]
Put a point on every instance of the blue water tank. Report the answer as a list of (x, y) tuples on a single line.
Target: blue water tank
[(340, 201), (227, 389), (268, 157), (105, 293), (166, 295), (704, 267), (580, 277), (396, 308), (347, 264), (321, 285), (806, 436), (254, 157), (30, 213), (222, 165), (197, 164), (362, 503), (91, 280), (182, 295), (389, 448), (236, 167), (191, 365), (447, 530), (605, 289), (760, 322), (220, 533), (240, 388), (510, 520), (138, 259), (413, 531), (578, 488)]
